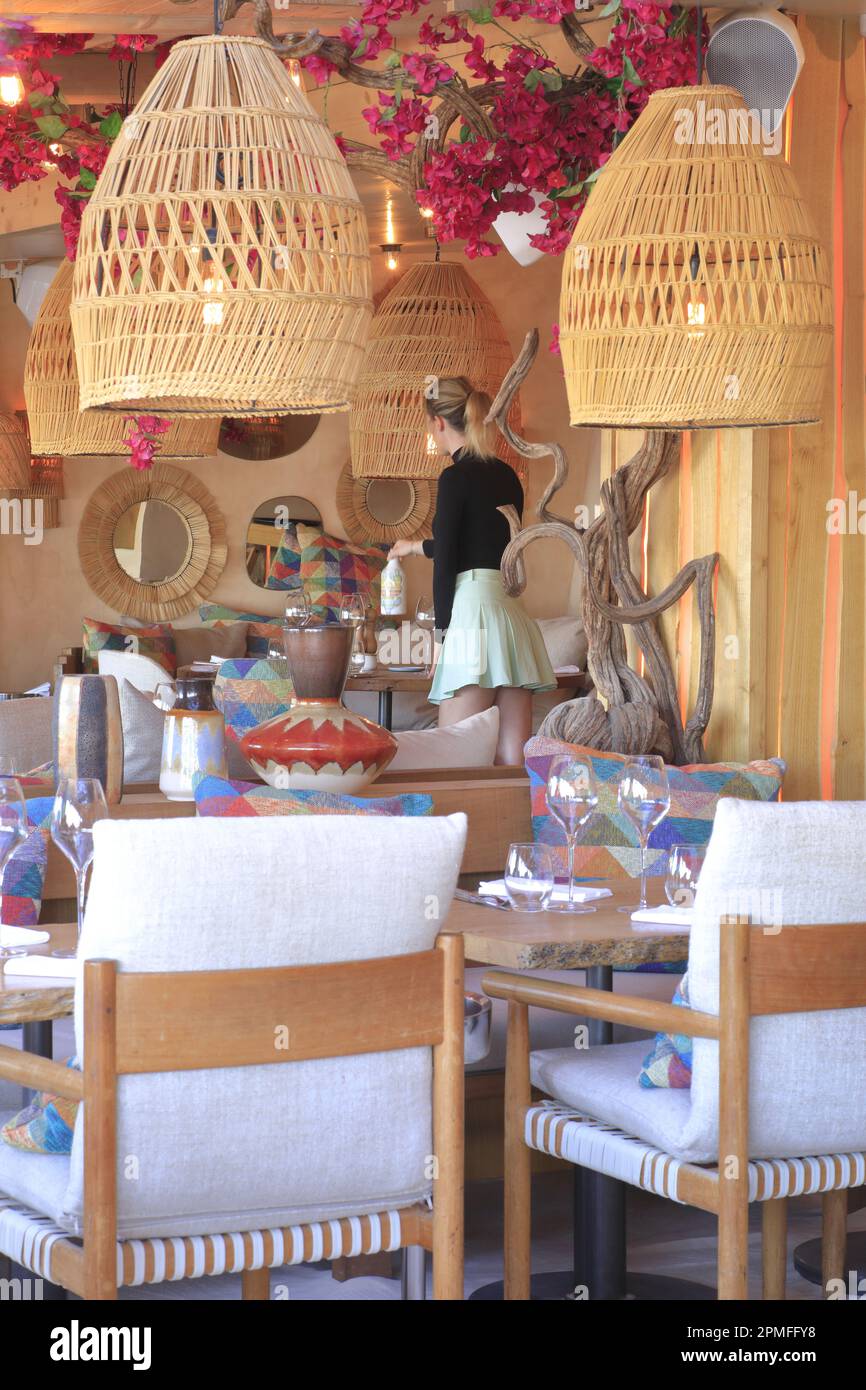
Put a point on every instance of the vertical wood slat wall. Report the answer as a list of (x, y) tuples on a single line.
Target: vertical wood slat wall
[(791, 597)]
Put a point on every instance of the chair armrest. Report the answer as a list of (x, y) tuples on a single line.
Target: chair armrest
[(600, 1003), (40, 1074)]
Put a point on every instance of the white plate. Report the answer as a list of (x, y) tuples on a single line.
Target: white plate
[(407, 670)]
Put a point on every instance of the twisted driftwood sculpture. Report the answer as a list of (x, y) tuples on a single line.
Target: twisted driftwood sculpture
[(637, 715)]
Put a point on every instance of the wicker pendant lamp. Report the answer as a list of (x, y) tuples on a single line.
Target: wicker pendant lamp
[(57, 426), (14, 457), (223, 265), (695, 293), (46, 486), (434, 322)]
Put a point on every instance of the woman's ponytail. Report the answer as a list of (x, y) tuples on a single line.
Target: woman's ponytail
[(465, 409)]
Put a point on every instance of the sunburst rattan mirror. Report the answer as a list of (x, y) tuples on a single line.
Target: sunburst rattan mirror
[(152, 544), (385, 509)]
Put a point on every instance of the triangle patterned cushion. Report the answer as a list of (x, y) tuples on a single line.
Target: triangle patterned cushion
[(249, 691), (607, 845), (332, 570), (261, 628), (24, 875), (285, 570)]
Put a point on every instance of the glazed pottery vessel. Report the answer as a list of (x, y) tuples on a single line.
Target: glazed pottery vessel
[(194, 739), (319, 744), (88, 736)]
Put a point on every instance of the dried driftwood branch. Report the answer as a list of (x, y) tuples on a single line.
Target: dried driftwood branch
[(637, 715)]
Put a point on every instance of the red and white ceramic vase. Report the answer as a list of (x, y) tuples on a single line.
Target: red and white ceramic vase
[(319, 745)]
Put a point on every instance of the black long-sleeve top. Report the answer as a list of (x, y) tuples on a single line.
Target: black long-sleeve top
[(468, 531)]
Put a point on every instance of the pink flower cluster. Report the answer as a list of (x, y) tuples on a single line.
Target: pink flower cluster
[(143, 439)]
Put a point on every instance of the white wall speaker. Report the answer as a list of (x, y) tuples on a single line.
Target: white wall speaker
[(758, 52)]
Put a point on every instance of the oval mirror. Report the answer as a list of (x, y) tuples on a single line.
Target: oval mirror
[(267, 524), (271, 437), (152, 541)]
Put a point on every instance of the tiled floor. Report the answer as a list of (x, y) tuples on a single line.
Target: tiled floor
[(662, 1238)]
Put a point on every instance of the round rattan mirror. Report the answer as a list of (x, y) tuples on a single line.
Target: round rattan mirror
[(385, 509), (152, 544)]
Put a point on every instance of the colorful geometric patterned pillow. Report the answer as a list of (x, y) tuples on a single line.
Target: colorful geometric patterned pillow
[(249, 691), (608, 845), (215, 796), (157, 642), (669, 1064), (332, 570), (285, 569), (24, 875), (262, 630), (46, 1125)]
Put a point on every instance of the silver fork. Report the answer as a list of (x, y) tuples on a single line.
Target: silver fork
[(482, 900)]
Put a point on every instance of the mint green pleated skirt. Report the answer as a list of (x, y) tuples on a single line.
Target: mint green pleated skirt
[(490, 641)]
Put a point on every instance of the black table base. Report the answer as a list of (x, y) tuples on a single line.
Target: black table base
[(559, 1287), (807, 1260)]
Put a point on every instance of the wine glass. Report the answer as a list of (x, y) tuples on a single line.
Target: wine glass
[(572, 797), (425, 617), (298, 607), (358, 657), (78, 805), (13, 833), (645, 797), (684, 866), (353, 610), (529, 877)]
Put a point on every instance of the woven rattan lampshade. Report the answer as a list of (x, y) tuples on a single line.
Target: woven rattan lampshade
[(695, 292), (46, 485), (223, 265), (57, 426), (434, 322), (14, 456)]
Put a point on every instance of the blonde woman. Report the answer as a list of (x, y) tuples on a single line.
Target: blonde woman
[(491, 653)]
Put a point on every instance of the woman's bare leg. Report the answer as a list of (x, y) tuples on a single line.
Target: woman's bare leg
[(472, 699), (515, 724)]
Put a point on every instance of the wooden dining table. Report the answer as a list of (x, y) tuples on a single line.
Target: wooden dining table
[(388, 681)]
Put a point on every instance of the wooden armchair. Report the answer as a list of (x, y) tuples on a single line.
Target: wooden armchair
[(777, 1104), (243, 1118)]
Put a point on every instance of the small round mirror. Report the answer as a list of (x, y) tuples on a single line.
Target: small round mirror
[(152, 541), (265, 530)]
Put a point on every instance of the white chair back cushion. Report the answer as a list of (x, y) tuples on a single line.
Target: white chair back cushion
[(233, 1149), (25, 732), (141, 671), (794, 863)]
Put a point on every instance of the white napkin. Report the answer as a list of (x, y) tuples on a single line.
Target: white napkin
[(56, 967), (676, 918), (22, 936), (496, 889)]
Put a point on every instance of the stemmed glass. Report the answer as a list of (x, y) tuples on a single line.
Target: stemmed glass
[(358, 658), (78, 805), (298, 608), (645, 797), (684, 867), (353, 610), (425, 617), (13, 833), (572, 797)]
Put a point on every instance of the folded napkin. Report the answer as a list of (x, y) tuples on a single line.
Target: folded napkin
[(496, 889), (56, 967), (22, 936), (679, 918)]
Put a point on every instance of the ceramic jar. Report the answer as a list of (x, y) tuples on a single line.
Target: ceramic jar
[(88, 735), (319, 744), (194, 739)]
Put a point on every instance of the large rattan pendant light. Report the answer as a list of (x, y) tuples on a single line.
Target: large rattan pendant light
[(223, 265), (434, 322), (695, 292), (57, 426)]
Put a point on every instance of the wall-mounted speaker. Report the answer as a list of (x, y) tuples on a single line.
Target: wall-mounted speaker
[(757, 51)]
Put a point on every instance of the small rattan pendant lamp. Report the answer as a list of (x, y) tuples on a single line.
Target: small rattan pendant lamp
[(223, 266), (57, 426), (695, 293), (434, 322), (14, 457)]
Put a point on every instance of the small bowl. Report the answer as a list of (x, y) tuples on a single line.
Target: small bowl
[(477, 1019)]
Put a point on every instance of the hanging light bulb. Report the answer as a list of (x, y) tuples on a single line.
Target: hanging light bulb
[(212, 309), (391, 251), (11, 89), (293, 68), (696, 309)]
